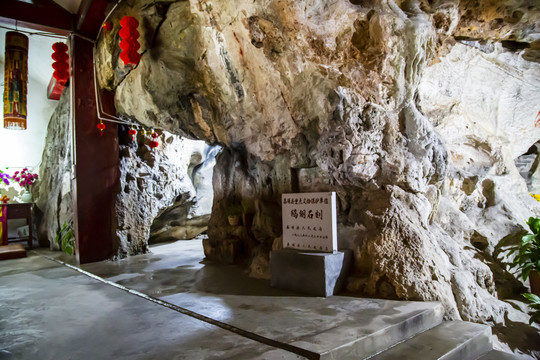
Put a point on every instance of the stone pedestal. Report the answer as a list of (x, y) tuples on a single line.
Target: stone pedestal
[(319, 274)]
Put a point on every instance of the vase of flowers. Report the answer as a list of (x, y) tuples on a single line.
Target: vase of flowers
[(25, 179)]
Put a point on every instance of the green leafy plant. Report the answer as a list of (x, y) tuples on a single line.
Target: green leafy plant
[(535, 305), (528, 251), (66, 239)]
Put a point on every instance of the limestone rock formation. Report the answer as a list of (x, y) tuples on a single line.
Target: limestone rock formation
[(165, 194), (412, 111), (190, 213), (161, 190), (54, 192)]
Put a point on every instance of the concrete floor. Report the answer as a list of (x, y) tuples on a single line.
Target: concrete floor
[(194, 310)]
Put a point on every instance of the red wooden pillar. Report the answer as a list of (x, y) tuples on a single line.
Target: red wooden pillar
[(96, 163), (95, 157)]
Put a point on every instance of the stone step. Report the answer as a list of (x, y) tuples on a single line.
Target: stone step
[(450, 340), (498, 355), (335, 327), (375, 329)]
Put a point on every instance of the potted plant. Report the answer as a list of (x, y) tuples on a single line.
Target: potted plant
[(528, 255), (25, 179), (535, 305)]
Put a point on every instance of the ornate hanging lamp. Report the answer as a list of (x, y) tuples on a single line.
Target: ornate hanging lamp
[(15, 80)]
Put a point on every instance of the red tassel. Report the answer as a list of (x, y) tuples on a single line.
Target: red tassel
[(107, 26), (132, 132), (101, 127)]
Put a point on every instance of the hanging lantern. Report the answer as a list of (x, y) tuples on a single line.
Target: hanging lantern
[(153, 143), (101, 127), (129, 43), (107, 26), (15, 79), (132, 132), (61, 62)]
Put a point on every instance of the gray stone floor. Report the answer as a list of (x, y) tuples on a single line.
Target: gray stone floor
[(51, 311)]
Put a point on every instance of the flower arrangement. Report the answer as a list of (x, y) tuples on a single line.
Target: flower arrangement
[(4, 181), (25, 178), (4, 178)]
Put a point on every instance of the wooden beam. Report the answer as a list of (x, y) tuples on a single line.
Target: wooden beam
[(90, 17), (43, 15)]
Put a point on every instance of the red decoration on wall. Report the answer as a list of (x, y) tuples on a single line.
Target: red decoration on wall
[(153, 143), (132, 132), (107, 26), (101, 127), (61, 62), (129, 43)]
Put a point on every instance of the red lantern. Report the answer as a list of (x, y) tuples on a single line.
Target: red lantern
[(107, 26), (129, 43), (153, 143), (61, 64), (129, 21), (131, 57), (101, 127), (129, 34), (132, 132)]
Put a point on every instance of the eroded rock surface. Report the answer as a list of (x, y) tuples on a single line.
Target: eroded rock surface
[(162, 196), (412, 111), (54, 194)]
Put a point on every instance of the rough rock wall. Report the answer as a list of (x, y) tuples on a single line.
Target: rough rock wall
[(336, 95), (190, 213), (53, 196), (161, 191)]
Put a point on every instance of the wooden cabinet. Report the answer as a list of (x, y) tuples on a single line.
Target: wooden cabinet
[(16, 211)]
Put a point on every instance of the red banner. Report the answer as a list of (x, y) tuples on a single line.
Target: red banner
[(15, 81)]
